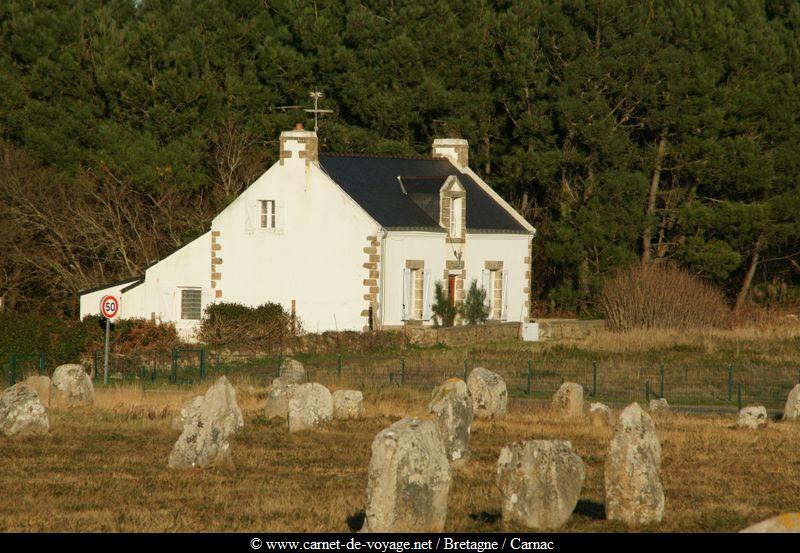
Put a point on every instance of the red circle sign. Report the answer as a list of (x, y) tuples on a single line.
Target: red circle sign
[(109, 307)]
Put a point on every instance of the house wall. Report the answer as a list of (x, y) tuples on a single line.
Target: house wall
[(90, 303), (399, 247), (159, 296), (315, 258), (434, 251), (512, 250)]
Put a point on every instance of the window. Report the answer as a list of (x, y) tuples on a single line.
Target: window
[(497, 295), (455, 217), (419, 292), (268, 214), (191, 308), (416, 292), (495, 282)]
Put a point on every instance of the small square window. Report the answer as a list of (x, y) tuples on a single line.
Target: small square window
[(268, 214), (191, 305)]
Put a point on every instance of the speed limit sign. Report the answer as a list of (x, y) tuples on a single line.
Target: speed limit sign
[(109, 307)]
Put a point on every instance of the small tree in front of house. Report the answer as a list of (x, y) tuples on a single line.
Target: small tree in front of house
[(443, 312), (475, 309)]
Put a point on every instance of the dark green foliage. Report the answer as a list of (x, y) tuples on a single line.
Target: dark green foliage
[(444, 313), (68, 341), (475, 310), (564, 104)]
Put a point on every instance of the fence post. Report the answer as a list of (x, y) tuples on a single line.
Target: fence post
[(41, 364), (647, 391), (174, 376), (530, 376), (730, 383), (739, 395), (339, 367), (13, 363), (466, 368), (594, 378), (661, 380), (94, 362), (202, 363), (402, 371)]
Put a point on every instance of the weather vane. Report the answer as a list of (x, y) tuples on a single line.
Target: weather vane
[(316, 95)]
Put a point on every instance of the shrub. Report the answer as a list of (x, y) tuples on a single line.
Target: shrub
[(662, 296), (475, 308), (130, 336), (234, 325), (444, 313), (70, 341)]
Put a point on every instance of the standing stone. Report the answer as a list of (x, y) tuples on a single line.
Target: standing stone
[(659, 405), (277, 405), (488, 392), (42, 386), (71, 386), (453, 408), (787, 523), (540, 481), (568, 400), (792, 410), (600, 415), (409, 479), (209, 423), (753, 417), (292, 370), (22, 413), (348, 404), (310, 406), (633, 485)]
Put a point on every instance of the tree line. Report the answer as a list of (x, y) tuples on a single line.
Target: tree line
[(626, 131)]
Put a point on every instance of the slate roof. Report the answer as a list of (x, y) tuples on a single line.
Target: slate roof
[(387, 187)]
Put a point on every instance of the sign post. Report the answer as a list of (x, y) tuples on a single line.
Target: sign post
[(109, 308)]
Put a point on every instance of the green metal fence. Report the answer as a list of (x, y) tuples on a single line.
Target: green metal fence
[(720, 385), (22, 365)]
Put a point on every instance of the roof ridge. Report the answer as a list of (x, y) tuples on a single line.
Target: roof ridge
[(378, 156)]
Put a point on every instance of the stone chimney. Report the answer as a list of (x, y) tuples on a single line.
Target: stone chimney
[(299, 144), (454, 149)]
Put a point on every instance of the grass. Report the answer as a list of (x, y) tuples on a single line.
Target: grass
[(104, 469)]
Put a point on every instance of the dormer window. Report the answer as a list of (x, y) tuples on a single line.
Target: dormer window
[(455, 217), (453, 202)]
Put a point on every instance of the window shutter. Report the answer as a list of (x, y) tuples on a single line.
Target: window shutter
[(407, 298), (504, 292), (166, 307), (251, 217), (426, 299), (279, 216), (487, 285)]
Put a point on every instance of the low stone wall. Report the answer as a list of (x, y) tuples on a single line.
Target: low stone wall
[(568, 329), (462, 335)]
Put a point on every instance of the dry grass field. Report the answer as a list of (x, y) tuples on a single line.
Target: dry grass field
[(104, 469)]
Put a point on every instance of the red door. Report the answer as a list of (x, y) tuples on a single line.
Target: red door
[(451, 289)]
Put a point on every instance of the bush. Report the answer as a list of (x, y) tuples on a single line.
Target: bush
[(130, 336), (69, 341), (662, 296), (443, 312), (475, 308), (234, 325)]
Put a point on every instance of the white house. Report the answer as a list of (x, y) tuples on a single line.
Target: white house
[(349, 242)]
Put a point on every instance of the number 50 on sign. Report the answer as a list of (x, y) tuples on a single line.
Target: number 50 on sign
[(109, 307)]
